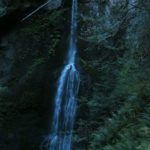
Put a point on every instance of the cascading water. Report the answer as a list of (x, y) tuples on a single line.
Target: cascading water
[(65, 100)]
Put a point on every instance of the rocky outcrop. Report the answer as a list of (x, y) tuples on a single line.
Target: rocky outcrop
[(89, 8), (8, 6), (54, 4), (31, 55), (3, 8)]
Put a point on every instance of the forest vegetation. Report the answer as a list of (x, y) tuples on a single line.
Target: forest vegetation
[(113, 104)]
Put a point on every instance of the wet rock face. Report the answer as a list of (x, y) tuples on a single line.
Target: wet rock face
[(3, 7), (12, 11), (54, 4), (8, 6), (28, 71), (88, 8), (6, 60)]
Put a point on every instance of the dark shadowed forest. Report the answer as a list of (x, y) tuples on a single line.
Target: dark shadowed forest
[(108, 45)]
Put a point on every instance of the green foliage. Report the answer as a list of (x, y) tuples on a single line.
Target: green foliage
[(55, 16), (116, 115), (107, 24), (89, 67), (5, 105), (40, 23), (4, 90), (124, 130), (37, 62), (55, 40)]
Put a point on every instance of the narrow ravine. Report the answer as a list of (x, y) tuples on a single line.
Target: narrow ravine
[(46, 102)]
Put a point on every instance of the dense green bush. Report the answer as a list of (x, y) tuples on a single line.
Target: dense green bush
[(117, 113)]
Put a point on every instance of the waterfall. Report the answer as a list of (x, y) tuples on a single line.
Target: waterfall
[(67, 90)]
